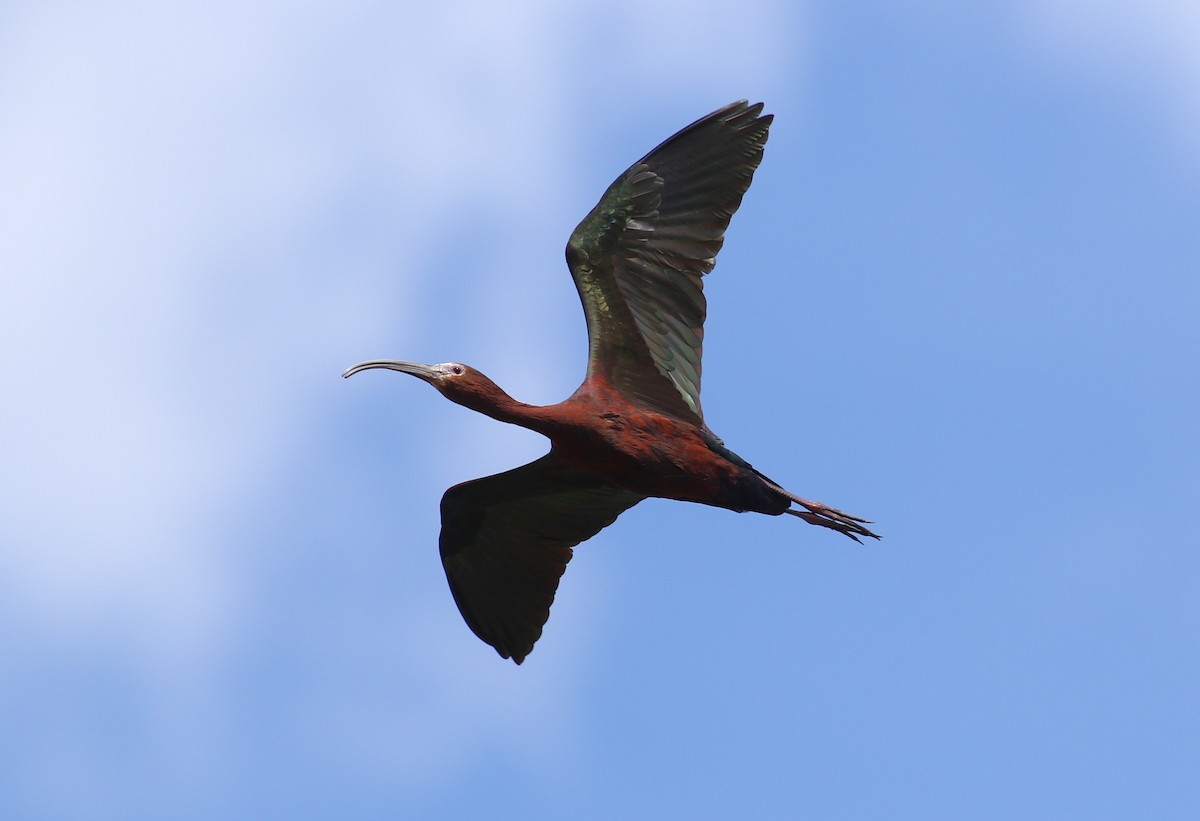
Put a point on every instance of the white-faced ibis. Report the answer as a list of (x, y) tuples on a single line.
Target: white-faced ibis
[(634, 428)]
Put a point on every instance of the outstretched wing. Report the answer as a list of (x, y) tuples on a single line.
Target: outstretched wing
[(637, 258), (506, 540)]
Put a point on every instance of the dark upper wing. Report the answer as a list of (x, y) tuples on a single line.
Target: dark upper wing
[(506, 540), (637, 258)]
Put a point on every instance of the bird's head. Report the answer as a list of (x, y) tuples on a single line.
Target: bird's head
[(459, 383)]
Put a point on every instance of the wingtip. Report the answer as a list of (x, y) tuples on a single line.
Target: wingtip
[(740, 108)]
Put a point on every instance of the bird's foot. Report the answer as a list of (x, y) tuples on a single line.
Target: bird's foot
[(826, 516)]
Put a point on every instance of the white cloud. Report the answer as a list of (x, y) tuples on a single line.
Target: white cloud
[(164, 175), (1147, 45)]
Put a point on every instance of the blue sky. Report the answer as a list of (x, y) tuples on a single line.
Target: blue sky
[(960, 299)]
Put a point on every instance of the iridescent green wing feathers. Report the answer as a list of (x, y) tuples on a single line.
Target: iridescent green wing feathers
[(638, 257), (506, 540)]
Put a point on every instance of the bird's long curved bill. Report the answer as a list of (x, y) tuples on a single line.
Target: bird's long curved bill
[(414, 368)]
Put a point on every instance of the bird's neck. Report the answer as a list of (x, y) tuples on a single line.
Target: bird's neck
[(488, 398)]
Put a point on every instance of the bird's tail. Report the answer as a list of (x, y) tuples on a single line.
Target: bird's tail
[(816, 513)]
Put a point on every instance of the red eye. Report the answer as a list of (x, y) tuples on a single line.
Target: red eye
[(457, 370)]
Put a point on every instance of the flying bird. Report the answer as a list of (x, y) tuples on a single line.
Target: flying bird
[(635, 427)]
